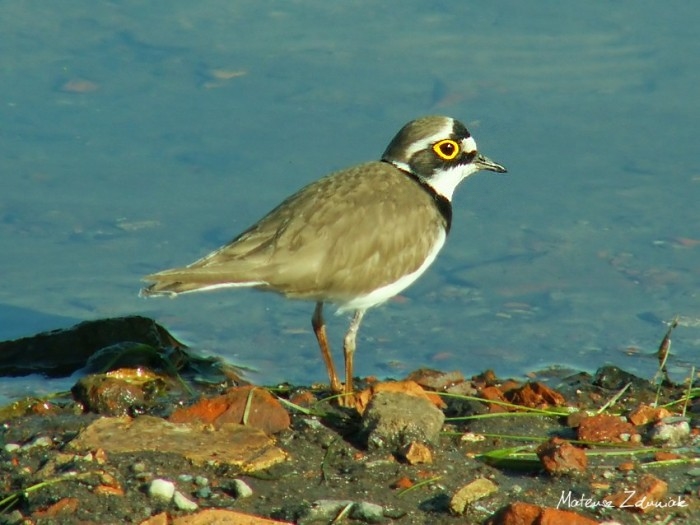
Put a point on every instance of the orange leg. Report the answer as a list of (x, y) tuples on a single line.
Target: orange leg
[(320, 331)]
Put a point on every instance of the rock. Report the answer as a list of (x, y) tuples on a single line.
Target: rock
[(257, 406), (40, 442), (184, 503), (61, 352), (535, 395), (410, 388), (436, 379), (614, 378), (221, 516), (642, 496), (241, 489), (471, 492), (417, 453), (605, 428), (243, 447), (58, 511), (644, 414), (493, 393), (161, 489), (558, 456), (672, 431), (393, 420), (520, 513), (109, 396), (324, 510), (367, 512), (328, 510)]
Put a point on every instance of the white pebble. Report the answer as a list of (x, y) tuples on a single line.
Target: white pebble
[(241, 489), (183, 503), (161, 489)]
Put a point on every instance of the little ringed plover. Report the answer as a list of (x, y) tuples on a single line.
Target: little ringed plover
[(354, 238)]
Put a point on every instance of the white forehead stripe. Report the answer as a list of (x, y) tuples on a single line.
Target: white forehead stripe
[(419, 145)]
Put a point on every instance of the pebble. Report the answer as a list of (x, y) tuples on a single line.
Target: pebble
[(471, 492), (203, 493), (138, 467), (367, 512), (329, 509), (161, 489), (241, 489), (183, 503), (42, 441), (12, 447), (201, 481), (670, 431)]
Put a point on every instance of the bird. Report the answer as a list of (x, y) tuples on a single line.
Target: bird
[(354, 238)]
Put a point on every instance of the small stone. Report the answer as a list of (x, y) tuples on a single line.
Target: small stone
[(644, 414), (367, 512), (241, 489), (520, 513), (416, 453), (402, 483), (626, 466), (614, 378), (185, 478), (324, 510), (183, 503), (203, 493), (471, 492), (138, 467), (558, 456), (604, 428), (43, 441), (642, 496), (535, 395), (670, 431), (12, 447), (161, 489), (201, 481)]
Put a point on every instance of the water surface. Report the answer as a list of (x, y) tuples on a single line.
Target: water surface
[(137, 137)]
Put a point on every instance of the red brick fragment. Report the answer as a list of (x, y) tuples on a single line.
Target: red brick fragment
[(558, 456), (264, 410), (605, 428), (520, 513)]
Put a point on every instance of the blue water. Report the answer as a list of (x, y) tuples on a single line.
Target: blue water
[(135, 137)]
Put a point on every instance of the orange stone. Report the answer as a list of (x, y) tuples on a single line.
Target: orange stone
[(558, 456), (520, 513), (644, 414), (604, 428), (264, 411), (641, 497)]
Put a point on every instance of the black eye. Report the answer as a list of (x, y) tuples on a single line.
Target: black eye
[(446, 149)]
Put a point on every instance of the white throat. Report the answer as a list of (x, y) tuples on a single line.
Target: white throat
[(445, 182)]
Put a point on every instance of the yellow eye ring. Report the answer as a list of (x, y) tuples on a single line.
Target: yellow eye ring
[(446, 149)]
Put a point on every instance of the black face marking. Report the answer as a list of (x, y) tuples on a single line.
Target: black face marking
[(460, 130)]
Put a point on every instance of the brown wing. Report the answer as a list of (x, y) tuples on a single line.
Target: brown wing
[(343, 235)]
